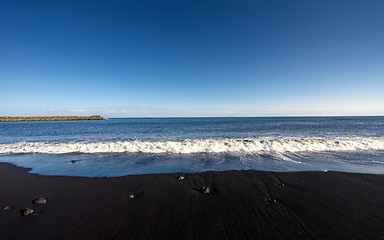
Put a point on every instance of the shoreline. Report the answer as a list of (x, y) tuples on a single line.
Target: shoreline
[(240, 205), (49, 118)]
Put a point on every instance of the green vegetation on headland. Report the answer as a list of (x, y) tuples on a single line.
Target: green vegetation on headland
[(50, 118)]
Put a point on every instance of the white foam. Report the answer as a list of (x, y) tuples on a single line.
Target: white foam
[(254, 145)]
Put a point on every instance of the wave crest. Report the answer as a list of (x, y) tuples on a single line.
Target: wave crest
[(255, 145)]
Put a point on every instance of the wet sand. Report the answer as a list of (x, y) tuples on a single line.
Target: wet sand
[(239, 205)]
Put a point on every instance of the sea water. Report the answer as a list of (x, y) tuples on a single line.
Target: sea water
[(118, 147)]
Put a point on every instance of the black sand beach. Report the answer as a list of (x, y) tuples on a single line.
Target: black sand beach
[(239, 205)]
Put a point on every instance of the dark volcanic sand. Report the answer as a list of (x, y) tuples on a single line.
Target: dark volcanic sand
[(244, 205)]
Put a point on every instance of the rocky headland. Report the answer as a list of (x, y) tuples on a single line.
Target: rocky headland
[(50, 118)]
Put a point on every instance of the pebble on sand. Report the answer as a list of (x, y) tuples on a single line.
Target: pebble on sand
[(27, 212), (205, 189), (40, 201), (7, 208), (181, 177)]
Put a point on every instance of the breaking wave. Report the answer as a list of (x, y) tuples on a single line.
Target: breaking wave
[(188, 146)]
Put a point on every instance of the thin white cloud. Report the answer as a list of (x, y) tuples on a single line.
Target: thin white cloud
[(156, 111), (79, 110)]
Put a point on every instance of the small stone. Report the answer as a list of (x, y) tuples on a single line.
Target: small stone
[(271, 200), (27, 212), (7, 208), (181, 177), (40, 201), (131, 196), (206, 189)]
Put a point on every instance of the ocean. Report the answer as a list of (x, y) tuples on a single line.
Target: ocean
[(118, 147)]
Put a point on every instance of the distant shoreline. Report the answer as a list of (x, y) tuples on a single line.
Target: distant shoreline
[(50, 118)]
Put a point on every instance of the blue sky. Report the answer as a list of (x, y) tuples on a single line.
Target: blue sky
[(192, 58)]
